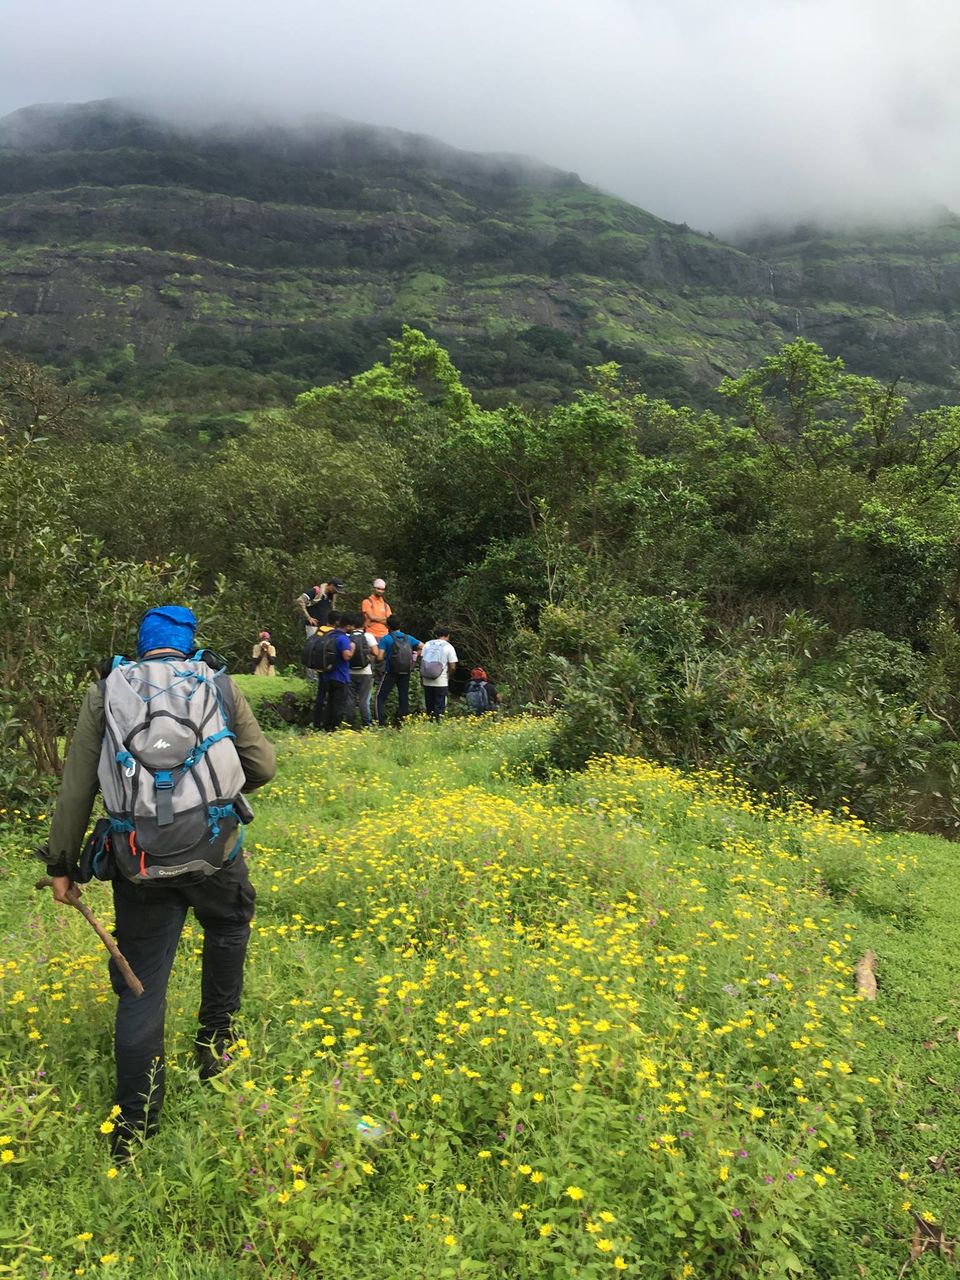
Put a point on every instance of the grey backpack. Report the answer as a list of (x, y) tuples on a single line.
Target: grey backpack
[(478, 700), (433, 660), (169, 770)]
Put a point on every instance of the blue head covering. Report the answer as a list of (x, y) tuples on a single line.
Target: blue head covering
[(171, 626)]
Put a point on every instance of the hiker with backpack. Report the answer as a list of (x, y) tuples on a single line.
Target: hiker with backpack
[(437, 663), (316, 605), (480, 694), (399, 655), (329, 653), (366, 651), (317, 656), (172, 744)]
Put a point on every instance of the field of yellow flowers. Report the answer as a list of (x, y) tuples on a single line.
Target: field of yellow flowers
[(596, 1026)]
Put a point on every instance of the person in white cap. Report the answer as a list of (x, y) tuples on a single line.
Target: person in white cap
[(376, 611)]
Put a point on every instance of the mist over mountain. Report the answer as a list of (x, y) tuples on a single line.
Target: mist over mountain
[(716, 115), (269, 257), (318, 140)]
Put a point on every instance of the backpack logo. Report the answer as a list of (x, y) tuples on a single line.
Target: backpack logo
[(161, 744)]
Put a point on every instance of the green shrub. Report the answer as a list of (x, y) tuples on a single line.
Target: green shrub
[(847, 733)]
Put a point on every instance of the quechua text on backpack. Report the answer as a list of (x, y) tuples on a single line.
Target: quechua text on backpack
[(169, 770), (401, 659)]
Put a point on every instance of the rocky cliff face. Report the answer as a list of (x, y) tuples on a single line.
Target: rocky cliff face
[(888, 301), (116, 229)]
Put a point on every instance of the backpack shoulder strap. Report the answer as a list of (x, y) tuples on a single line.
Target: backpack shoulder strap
[(224, 687)]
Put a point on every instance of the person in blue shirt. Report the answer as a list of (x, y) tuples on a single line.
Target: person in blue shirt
[(337, 681), (399, 655)]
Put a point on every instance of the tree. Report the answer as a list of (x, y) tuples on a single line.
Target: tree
[(34, 403), (65, 606)]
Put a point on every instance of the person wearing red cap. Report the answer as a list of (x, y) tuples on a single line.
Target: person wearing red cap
[(481, 694), (264, 656)]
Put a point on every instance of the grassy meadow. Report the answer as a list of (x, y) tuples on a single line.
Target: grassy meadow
[(600, 1025)]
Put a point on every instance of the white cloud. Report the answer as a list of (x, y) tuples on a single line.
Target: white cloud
[(716, 114)]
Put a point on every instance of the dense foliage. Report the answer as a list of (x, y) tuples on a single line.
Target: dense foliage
[(774, 587)]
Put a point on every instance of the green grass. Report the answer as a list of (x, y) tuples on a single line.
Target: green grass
[(626, 984)]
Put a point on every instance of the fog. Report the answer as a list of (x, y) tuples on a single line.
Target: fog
[(723, 115)]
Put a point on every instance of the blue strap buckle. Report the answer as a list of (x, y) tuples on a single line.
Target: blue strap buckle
[(163, 780), (202, 748), (215, 813)]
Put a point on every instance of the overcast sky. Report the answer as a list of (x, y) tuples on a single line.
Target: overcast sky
[(714, 112)]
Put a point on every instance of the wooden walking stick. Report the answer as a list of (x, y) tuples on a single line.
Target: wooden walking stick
[(73, 900)]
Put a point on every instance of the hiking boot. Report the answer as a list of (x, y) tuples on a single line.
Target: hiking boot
[(128, 1136), (212, 1055)]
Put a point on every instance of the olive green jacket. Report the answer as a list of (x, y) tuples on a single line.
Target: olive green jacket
[(78, 789)]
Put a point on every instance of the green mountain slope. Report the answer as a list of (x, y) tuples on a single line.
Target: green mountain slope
[(889, 301), (289, 253)]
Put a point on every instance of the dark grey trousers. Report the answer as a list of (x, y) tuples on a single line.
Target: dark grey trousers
[(149, 920)]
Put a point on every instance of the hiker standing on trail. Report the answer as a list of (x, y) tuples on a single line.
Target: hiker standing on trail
[(335, 673), (437, 662), (316, 657), (376, 612), (315, 605), (399, 654), (481, 694), (264, 656), (171, 743), (366, 651)]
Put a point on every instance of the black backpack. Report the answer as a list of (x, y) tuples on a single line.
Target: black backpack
[(361, 654), (401, 660), (320, 653)]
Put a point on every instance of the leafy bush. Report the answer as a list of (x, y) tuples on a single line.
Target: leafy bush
[(848, 732), (66, 608)]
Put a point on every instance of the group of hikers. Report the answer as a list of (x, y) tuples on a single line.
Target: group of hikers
[(351, 654), (173, 747)]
